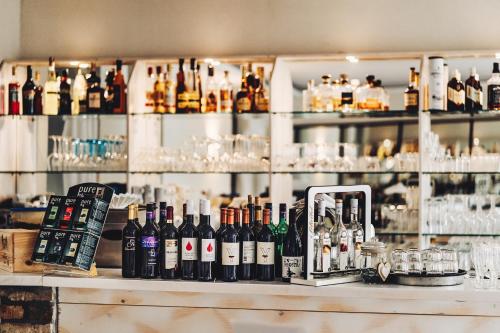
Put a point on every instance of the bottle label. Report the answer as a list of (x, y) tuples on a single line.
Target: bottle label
[(359, 238), (28, 95), (230, 254), (207, 250), (183, 100), (357, 257), (248, 252), (189, 249), (243, 104), (265, 253), (43, 246), (476, 95), (457, 97), (149, 242), (171, 253), (346, 98), (292, 267), (95, 100), (343, 258), (262, 103), (129, 243), (211, 104), (226, 103), (411, 99), (170, 99)]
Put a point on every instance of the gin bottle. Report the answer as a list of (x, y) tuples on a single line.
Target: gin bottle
[(322, 242)]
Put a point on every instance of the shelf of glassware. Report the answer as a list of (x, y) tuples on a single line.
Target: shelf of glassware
[(57, 172)]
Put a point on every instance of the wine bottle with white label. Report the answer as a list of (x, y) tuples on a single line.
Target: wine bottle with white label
[(292, 250), (206, 244), (189, 242), (247, 249), (230, 250), (169, 246), (149, 246), (265, 250)]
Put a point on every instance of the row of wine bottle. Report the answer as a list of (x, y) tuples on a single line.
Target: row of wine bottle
[(257, 250)]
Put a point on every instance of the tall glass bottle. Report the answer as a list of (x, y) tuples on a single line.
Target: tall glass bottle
[(230, 250), (265, 251), (189, 242), (64, 94), (14, 104), (119, 90), (257, 227), (163, 215), (206, 244), (243, 97), (218, 236), (309, 97), (109, 93), (79, 93), (473, 92), (493, 85), (342, 237), (292, 250), (51, 89), (95, 93), (247, 249), (211, 104), (325, 92), (181, 93), (261, 94), (149, 246), (130, 244), (38, 98), (150, 83), (358, 233), (350, 243), (281, 231), (169, 91), (169, 246), (226, 94), (251, 210), (456, 93), (194, 93), (237, 219), (322, 242), (159, 92), (411, 94), (29, 93)]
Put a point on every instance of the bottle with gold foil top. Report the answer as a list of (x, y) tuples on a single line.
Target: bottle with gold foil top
[(411, 95), (159, 92), (243, 97), (211, 94), (226, 94), (261, 94)]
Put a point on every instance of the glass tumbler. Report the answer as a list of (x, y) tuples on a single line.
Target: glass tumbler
[(414, 261), (449, 261), (400, 261)]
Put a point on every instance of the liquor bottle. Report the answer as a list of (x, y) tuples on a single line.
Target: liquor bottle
[(325, 92), (350, 243), (411, 95), (130, 242), (159, 92), (29, 93), (14, 105), (184, 219), (189, 242), (169, 246), (206, 244), (272, 227), (51, 89), (211, 99), (226, 94), (493, 85), (194, 93), (251, 210), (473, 92), (281, 231), (243, 97), (261, 95), (163, 215), (109, 93), (309, 97), (292, 250), (169, 91), (119, 90), (181, 92), (201, 98), (237, 219), (150, 83), (230, 250), (64, 94), (342, 237), (250, 78), (95, 94), (149, 246), (265, 250), (358, 233), (247, 249), (38, 98), (257, 225), (79, 93), (218, 237), (456, 93), (322, 242), (346, 94)]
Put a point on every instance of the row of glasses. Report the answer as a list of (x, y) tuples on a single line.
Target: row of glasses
[(76, 154), (432, 261), (399, 218), (462, 214), (486, 262), (229, 153)]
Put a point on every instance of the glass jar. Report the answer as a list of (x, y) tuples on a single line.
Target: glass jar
[(373, 252)]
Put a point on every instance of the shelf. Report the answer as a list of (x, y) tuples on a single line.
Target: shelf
[(200, 172), (460, 172), (64, 172), (204, 115), (76, 116), (347, 172), (395, 233), (459, 235)]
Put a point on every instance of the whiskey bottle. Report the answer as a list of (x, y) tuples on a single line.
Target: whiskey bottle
[(456, 93), (211, 95), (79, 93), (309, 97), (494, 88), (261, 96), (193, 89), (150, 83), (201, 102), (322, 242), (64, 94), (95, 93), (119, 90), (109, 98), (29, 93), (51, 89), (411, 94), (159, 92), (38, 98), (226, 94), (243, 97), (325, 91), (181, 93), (169, 91), (346, 94), (473, 92)]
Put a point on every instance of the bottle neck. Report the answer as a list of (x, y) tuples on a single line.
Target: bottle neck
[(204, 219), (150, 217), (163, 215)]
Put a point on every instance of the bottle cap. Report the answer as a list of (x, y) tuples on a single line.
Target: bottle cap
[(354, 204), (246, 216), (292, 215), (269, 205), (163, 205), (119, 64), (457, 75), (183, 210), (321, 207), (150, 71), (150, 207), (473, 72), (158, 69), (338, 204), (237, 215), (189, 207), (131, 212), (250, 199), (282, 207), (230, 216), (210, 70), (204, 207), (267, 216), (223, 216), (170, 213), (192, 63)]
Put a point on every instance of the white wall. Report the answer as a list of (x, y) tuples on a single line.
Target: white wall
[(222, 27), (10, 31)]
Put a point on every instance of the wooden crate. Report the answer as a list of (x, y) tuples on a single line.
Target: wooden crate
[(16, 247)]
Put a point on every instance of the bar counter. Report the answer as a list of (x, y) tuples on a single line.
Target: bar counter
[(87, 304)]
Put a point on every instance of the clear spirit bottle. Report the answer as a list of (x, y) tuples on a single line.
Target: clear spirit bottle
[(357, 232), (51, 90), (322, 242), (339, 239)]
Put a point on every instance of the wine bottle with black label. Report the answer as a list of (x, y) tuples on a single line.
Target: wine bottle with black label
[(169, 246), (189, 242), (230, 250), (130, 242), (265, 250), (149, 246), (292, 250), (247, 249), (206, 244)]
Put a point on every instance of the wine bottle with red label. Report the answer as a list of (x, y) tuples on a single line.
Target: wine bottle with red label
[(206, 244), (230, 250), (189, 243), (149, 245)]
